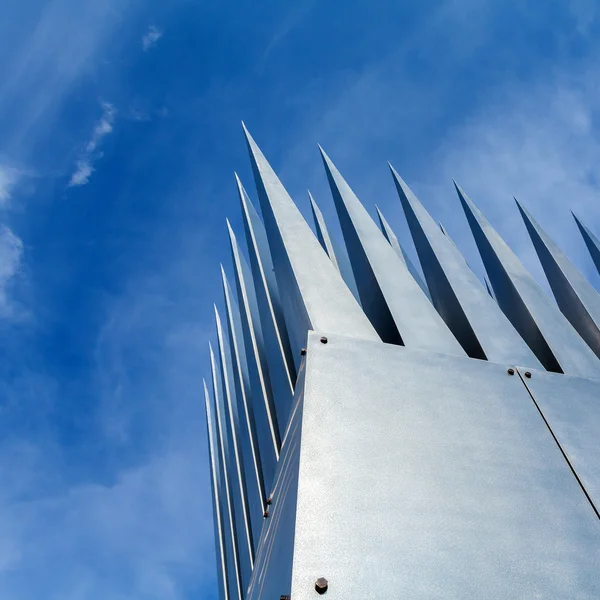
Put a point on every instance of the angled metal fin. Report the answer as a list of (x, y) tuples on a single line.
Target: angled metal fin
[(474, 318), (547, 332), (322, 232), (237, 472), (488, 287), (250, 447), (282, 370), (234, 577), (217, 495), (392, 299), (591, 241), (265, 413), (312, 290), (576, 298), (395, 244)]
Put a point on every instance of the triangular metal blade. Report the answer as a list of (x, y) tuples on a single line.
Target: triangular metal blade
[(312, 290), (234, 577), (576, 298), (591, 241), (265, 413), (322, 232), (390, 296), (236, 469), (474, 318), (547, 332), (392, 238)]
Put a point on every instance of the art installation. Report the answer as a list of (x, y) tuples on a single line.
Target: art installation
[(378, 433)]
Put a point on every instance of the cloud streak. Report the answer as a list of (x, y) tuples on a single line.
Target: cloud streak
[(11, 252), (151, 37)]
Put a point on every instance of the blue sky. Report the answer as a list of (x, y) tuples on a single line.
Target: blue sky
[(119, 134)]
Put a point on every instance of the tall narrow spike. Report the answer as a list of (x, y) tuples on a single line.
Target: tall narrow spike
[(268, 431), (488, 287), (576, 298), (474, 318), (393, 240), (591, 241), (237, 473), (251, 449), (554, 341), (232, 556), (217, 495), (313, 293), (278, 353), (322, 232), (390, 296)]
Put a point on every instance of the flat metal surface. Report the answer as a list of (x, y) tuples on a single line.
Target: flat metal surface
[(571, 408), (427, 476)]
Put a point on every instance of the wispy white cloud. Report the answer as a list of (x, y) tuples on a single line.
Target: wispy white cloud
[(11, 252), (151, 37), (8, 180), (84, 165)]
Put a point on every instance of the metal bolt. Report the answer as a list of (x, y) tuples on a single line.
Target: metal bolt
[(266, 514), (511, 371), (284, 597), (269, 499), (323, 340), (528, 374), (303, 352), (321, 584)]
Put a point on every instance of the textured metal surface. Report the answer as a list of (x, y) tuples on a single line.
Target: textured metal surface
[(265, 415), (313, 293), (234, 579), (427, 476), (248, 434), (391, 298), (391, 237), (215, 482), (591, 241), (571, 408), (282, 366), (236, 469), (272, 575), (575, 296), (475, 319), (547, 332)]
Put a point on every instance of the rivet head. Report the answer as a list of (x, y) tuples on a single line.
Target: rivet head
[(269, 499), (285, 597), (266, 514), (323, 340), (528, 374), (511, 371), (303, 352), (321, 584)]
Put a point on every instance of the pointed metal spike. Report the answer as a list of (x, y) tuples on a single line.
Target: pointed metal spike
[(474, 318), (313, 292), (234, 578), (591, 241), (237, 471), (547, 332), (393, 240), (215, 481), (251, 449), (322, 232), (265, 411), (392, 299), (489, 289), (576, 298)]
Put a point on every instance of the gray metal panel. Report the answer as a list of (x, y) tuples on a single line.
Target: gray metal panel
[(547, 332), (215, 479), (234, 581), (392, 238), (276, 344), (474, 318), (591, 241), (282, 364), (313, 292), (236, 469), (576, 298), (391, 298), (322, 232), (265, 415), (272, 577), (428, 476), (249, 439), (571, 408)]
